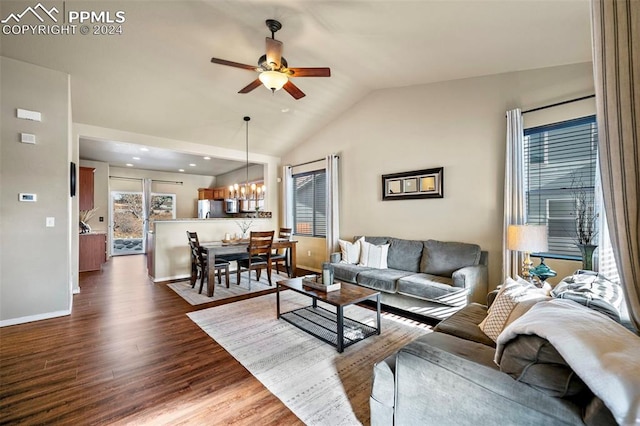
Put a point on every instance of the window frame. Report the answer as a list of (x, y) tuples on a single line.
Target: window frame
[(545, 165), (314, 209)]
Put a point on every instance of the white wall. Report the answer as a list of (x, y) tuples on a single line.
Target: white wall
[(35, 280), (459, 125)]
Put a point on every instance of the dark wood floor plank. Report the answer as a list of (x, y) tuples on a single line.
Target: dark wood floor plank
[(127, 354)]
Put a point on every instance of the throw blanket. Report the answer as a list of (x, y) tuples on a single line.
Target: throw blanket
[(603, 353)]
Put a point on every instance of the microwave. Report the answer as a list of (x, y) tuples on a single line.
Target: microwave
[(231, 205)]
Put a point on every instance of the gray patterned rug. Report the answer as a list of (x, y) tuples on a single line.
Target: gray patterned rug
[(191, 295), (321, 386)]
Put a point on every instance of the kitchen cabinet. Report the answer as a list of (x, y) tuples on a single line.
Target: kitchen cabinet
[(85, 188), (92, 251), (205, 193), (212, 193)]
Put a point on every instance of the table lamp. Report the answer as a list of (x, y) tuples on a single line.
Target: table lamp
[(527, 239)]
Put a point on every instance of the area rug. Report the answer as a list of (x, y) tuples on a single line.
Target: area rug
[(191, 295), (319, 385)]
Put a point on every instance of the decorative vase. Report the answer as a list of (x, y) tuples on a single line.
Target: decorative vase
[(586, 250)]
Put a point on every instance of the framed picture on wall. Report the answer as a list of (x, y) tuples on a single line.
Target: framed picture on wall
[(427, 183)]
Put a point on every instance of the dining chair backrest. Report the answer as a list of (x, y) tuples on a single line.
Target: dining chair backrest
[(285, 233), (193, 238), (194, 244), (260, 243)]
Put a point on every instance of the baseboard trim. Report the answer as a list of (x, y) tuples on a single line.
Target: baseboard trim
[(32, 318), (173, 278)]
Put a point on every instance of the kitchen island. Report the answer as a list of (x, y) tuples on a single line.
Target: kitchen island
[(168, 254)]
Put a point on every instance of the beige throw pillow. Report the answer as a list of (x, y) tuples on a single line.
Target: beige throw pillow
[(350, 251), (513, 300), (373, 256)]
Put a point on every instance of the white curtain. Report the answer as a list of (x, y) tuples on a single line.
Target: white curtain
[(333, 206), (287, 197), (616, 65), (514, 202), (146, 207)]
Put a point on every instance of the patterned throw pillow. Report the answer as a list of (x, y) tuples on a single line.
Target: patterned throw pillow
[(373, 256), (513, 300), (350, 251), (592, 290)]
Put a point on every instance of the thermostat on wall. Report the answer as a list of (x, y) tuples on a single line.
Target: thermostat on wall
[(32, 198)]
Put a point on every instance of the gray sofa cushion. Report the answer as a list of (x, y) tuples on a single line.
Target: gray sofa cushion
[(432, 287), (405, 255), (444, 258), (381, 279), (464, 324), (347, 272), (533, 360)]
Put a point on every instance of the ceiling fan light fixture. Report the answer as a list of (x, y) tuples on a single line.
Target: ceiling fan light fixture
[(273, 80)]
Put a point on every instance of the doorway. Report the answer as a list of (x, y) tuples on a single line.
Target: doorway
[(127, 215)]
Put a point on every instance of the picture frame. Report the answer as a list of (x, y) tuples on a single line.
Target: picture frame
[(416, 184)]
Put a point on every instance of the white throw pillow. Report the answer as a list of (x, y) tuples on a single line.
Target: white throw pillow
[(513, 300), (374, 256), (350, 251)]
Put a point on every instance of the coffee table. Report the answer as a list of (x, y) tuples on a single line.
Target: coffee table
[(331, 327)]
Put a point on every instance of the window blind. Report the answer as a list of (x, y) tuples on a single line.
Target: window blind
[(560, 171), (309, 203)]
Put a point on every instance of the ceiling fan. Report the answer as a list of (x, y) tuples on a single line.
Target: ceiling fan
[(273, 68)]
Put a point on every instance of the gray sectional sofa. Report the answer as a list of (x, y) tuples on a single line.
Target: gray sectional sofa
[(429, 278), (449, 377)]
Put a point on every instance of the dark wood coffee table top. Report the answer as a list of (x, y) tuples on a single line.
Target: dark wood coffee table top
[(347, 295)]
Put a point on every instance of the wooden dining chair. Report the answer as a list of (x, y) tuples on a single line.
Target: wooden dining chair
[(259, 256), (282, 255), (200, 263)]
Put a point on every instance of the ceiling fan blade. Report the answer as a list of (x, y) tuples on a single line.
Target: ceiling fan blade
[(310, 72), (293, 90), (274, 52), (249, 87), (233, 64)]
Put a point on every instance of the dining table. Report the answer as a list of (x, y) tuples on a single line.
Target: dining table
[(217, 248)]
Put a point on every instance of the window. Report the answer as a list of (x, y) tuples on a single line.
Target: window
[(309, 204), (560, 172)]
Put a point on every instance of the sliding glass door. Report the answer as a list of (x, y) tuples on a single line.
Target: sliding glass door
[(127, 219), (127, 213)]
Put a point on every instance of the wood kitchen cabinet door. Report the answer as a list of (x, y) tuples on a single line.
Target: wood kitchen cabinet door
[(86, 188), (93, 251)]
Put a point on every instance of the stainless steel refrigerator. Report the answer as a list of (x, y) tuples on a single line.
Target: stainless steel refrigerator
[(211, 208)]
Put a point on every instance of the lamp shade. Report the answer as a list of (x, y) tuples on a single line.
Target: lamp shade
[(527, 238), (273, 80)]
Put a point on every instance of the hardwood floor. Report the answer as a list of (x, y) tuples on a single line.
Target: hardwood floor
[(127, 354)]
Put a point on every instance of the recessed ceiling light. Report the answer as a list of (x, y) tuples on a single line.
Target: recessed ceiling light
[(129, 165), (181, 170), (285, 110), (192, 165), (136, 158), (207, 158), (144, 149)]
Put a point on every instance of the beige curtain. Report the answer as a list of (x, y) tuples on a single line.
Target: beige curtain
[(514, 203), (616, 61), (333, 204)]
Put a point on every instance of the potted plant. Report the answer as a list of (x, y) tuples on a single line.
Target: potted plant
[(586, 225)]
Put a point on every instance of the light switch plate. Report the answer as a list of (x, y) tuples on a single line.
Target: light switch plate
[(51, 222)]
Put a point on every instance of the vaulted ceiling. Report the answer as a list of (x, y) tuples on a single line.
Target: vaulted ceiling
[(156, 78)]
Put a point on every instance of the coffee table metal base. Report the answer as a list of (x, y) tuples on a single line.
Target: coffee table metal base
[(323, 324)]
